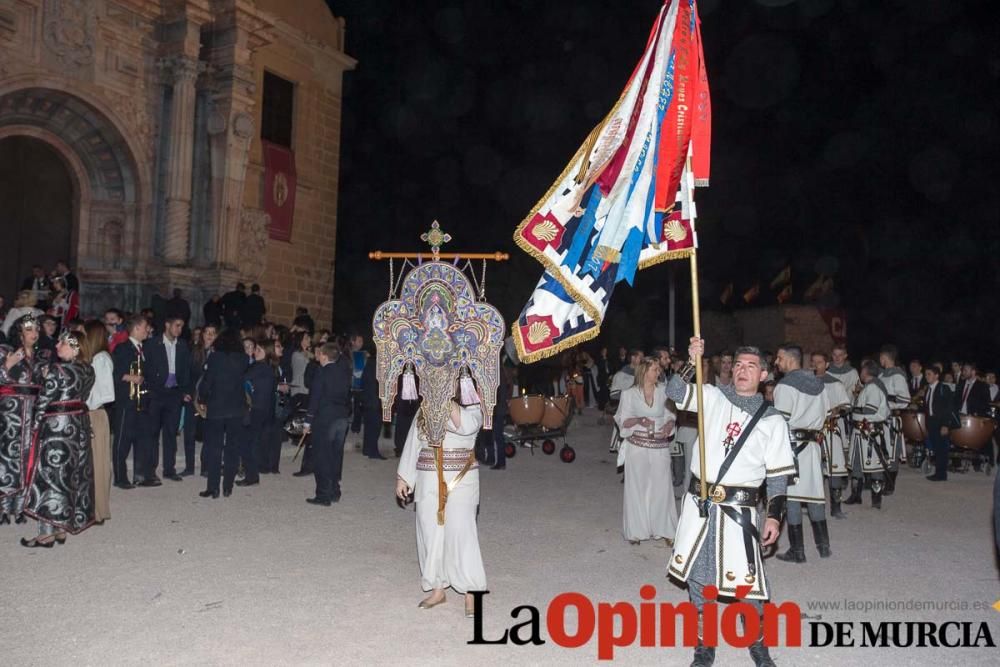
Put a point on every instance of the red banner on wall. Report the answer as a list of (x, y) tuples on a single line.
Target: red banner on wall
[(836, 322), (279, 189)]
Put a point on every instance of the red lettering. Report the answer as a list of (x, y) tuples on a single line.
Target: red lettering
[(555, 620), (647, 617), (793, 623), (710, 617), (731, 629), (668, 623), (607, 640)]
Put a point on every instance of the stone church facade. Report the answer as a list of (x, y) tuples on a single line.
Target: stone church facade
[(132, 131)]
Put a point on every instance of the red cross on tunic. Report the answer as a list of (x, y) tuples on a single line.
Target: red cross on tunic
[(733, 431)]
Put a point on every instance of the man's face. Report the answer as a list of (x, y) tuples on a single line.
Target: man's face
[(991, 378), (930, 376), (664, 359), (885, 361), (141, 332), (820, 364), (968, 372), (38, 272), (357, 342), (786, 362), (173, 328), (112, 321), (748, 374), (839, 356), (62, 268), (915, 368)]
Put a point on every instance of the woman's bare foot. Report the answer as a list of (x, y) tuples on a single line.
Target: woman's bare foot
[(470, 606), (436, 597)]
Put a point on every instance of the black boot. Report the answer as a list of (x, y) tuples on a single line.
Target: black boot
[(890, 483), (760, 655), (855, 497), (796, 547), (877, 489), (822, 537), (703, 656), (835, 511)]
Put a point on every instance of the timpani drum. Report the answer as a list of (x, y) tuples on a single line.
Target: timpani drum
[(974, 432), (526, 410), (555, 412), (914, 425)]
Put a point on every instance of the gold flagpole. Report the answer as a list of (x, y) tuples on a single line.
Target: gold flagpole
[(699, 382)]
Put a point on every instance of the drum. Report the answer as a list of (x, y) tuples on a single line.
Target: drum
[(556, 411), (914, 425), (526, 410), (974, 433)]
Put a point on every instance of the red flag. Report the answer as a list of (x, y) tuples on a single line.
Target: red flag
[(279, 189)]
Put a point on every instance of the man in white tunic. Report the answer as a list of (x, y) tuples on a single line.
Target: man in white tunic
[(842, 370), (894, 380), (646, 425), (746, 442), (834, 433), (868, 456), (799, 398), (448, 550)]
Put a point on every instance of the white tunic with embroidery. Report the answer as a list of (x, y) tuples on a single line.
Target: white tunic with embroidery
[(449, 555), (898, 390), (800, 399), (649, 511), (871, 406), (835, 434), (766, 453)]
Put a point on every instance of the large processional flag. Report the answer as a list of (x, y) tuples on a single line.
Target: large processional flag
[(626, 200)]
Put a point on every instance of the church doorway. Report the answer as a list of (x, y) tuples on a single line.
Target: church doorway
[(36, 210)]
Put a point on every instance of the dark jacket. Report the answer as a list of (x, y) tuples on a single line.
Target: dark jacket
[(978, 402), (369, 388), (212, 311), (157, 367), (330, 394), (179, 307), (944, 411), (263, 385), (232, 307), (253, 310), (123, 357), (221, 388)]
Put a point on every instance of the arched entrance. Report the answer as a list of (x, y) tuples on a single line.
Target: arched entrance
[(36, 209)]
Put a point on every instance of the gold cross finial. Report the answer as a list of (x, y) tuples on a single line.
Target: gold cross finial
[(435, 237)]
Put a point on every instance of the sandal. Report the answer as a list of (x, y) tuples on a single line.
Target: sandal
[(37, 542), (60, 538), (426, 603)]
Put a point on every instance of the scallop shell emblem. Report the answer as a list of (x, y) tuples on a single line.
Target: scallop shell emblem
[(546, 231), (538, 332), (674, 231)]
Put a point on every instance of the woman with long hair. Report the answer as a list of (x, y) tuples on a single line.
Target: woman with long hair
[(60, 481), (271, 444), (94, 351), (194, 421), (301, 356), (261, 386), (22, 369), (222, 392), (646, 423)]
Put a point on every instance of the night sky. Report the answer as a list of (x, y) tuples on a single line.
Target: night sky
[(852, 137)]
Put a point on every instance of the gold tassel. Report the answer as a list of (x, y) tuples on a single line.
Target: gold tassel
[(442, 487)]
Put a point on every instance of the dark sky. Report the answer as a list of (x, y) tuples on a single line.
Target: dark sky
[(857, 137)]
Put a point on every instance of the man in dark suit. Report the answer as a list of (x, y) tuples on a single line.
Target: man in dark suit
[(38, 283), (972, 397), (131, 417), (178, 306), (371, 405), (72, 282), (168, 378), (940, 417), (254, 308), (327, 421), (232, 306), (212, 311), (916, 380)]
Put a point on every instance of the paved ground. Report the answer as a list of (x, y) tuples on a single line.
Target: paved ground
[(263, 579)]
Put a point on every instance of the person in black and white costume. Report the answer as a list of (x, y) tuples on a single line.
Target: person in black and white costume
[(835, 433), (868, 459), (841, 369), (746, 443), (898, 390), (800, 399)]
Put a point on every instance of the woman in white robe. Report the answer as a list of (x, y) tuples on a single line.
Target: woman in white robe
[(646, 423), (449, 555)]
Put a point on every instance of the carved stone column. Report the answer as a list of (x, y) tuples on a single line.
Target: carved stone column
[(180, 152)]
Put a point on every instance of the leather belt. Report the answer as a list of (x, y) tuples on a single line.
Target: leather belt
[(726, 495), (806, 434)]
